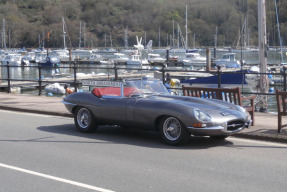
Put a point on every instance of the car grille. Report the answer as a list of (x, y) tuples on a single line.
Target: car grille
[(234, 125)]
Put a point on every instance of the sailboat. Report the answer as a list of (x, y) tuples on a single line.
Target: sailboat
[(111, 49), (61, 54)]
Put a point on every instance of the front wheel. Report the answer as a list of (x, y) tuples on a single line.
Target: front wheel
[(172, 131), (85, 120)]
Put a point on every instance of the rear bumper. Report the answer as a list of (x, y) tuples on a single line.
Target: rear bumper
[(216, 130)]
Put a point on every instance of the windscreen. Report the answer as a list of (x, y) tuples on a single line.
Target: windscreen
[(148, 86)]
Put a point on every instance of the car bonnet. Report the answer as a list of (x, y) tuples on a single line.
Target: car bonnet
[(195, 102)]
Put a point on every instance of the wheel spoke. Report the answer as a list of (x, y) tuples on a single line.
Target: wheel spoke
[(172, 128), (83, 118)]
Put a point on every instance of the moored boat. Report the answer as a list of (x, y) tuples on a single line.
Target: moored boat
[(194, 59), (55, 88), (12, 59), (228, 61)]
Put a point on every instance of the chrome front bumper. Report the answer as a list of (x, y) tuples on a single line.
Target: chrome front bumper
[(217, 130)]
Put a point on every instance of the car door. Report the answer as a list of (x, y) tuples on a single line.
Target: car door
[(140, 113), (112, 110)]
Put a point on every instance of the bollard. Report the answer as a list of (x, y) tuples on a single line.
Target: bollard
[(8, 78), (284, 78), (40, 80), (163, 73), (70, 54), (116, 71), (75, 77), (167, 55), (218, 77)]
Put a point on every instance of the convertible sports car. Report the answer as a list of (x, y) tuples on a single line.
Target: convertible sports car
[(146, 104)]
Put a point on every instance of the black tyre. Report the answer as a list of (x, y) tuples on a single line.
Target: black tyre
[(172, 131), (84, 120), (218, 137)]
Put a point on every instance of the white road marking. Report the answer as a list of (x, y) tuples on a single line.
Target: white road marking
[(270, 143), (56, 178), (33, 114)]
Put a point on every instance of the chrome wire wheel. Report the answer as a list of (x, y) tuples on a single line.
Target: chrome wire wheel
[(83, 118), (171, 129)]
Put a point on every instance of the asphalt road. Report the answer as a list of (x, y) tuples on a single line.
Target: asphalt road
[(46, 153)]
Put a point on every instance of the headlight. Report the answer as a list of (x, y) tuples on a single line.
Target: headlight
[(201, 116)]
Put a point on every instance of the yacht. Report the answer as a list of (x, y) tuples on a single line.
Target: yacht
[(81, 54), (12, 59), (193, 59), (39, 56), (120, 58), (96, 58), (136, 60), (228, 61), (155, 58), (30, 56), (61, 54)]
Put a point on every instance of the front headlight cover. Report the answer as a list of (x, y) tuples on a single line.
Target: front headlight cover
[(201, 115), (241, 109)]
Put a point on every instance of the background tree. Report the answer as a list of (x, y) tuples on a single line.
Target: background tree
[(26, 19)]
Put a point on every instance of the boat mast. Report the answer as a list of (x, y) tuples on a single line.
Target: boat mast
[(105, 40), (159, 37), (173, 34), (145, 38), (126, 37), (9, 38), (279, 35), (262, 53), (193, 40), (215, 37), (40, 41), (4, 35), (64, 33), (43, 41), (80, 36), (186, 34), (177, 35), (111, 40)]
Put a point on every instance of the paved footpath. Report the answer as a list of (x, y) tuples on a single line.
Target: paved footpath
[(265, 123)]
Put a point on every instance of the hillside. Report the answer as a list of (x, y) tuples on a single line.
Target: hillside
[(27, 21)]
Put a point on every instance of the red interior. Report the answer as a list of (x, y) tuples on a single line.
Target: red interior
[(112, 91)]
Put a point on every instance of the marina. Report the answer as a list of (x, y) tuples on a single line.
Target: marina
[(25, 78)]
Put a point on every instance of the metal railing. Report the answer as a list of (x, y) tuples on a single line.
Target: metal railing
[(116, 76)]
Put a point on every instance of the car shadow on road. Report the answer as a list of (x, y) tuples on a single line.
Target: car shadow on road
[(118, 135)]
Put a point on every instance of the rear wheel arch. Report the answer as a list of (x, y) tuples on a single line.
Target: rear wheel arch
[(75, 109)]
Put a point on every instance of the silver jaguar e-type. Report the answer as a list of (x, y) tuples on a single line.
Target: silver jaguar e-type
[(146, 104)]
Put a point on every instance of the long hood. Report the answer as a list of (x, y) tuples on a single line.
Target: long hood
[(206, 104)]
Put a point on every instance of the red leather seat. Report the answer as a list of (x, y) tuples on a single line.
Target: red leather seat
[(112, 91)]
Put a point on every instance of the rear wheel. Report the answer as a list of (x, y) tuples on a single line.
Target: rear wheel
[(172, 131), (85, 120)]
